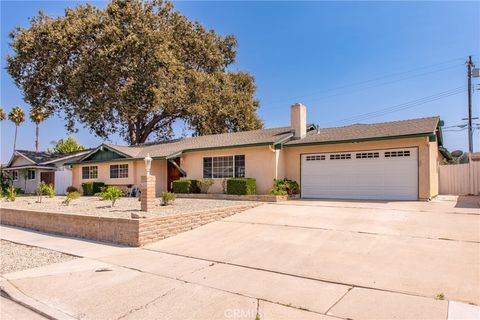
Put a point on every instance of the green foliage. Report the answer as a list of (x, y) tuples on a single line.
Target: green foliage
[(132, 67), (204, 184), (92, 188), (284, 187), (10, 193), (70, 196), (66, 146), (186, 186), (17, 116), (241, 186), (167, 198), (111, 193), (275, 192), (45, 189), (3, 114), (71, 189)]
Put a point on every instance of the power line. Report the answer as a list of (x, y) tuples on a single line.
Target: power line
[(380, 78), (402, 106)]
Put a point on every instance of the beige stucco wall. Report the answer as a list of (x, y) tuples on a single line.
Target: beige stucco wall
[(136, 169), (259, 164), (435, 160), (425, 187)]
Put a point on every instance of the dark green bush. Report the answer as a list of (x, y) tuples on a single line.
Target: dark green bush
[(91, 188), (284, 187), (241, 186), (186, 186)]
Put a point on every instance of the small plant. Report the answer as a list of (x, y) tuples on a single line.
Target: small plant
[(11, 193), (440, 296), (168, 198), (111, 193), (71, 189), (284, 187), (45, 189), (70, 196), (275, 192), (205, 184)]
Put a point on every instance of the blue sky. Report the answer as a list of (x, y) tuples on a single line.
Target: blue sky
[(346, 61)]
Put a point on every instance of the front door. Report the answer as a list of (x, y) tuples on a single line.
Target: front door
[(48, 177), (172, 173)]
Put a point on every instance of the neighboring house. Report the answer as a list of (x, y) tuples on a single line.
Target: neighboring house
[(392, 160), (28, 168)]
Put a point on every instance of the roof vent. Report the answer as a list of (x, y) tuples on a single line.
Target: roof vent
[(318, 128)]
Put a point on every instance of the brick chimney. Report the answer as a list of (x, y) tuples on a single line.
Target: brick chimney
[(298, 120)]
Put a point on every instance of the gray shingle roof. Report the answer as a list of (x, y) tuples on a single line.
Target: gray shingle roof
[(370, 131), (163, 149), (273, 135), (41, 157)]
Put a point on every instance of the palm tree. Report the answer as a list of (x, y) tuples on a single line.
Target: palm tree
[(17, 116), (3, 115), (37, 115)]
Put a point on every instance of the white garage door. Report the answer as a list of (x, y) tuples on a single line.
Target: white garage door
[(376, 174)]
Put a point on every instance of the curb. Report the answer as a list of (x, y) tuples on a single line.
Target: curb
[(10, 292)]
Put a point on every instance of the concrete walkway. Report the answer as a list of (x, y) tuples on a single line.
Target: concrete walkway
[(293, 261)]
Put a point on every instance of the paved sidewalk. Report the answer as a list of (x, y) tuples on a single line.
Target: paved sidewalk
[(112, 282), (298, 260)]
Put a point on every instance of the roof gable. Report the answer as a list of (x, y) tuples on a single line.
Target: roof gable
[(104, 153)]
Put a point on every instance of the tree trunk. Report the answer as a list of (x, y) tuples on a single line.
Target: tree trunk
[(36, 137), (15, 139)]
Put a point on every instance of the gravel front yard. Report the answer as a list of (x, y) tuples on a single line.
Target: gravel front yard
[(17, 257), (93, 206)]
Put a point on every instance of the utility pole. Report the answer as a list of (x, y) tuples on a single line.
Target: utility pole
[(470, 132)]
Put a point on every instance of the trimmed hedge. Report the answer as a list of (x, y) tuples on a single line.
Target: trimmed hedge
[(241, 186), (186, 186), (91, 188)]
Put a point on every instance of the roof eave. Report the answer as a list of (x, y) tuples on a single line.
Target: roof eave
[(428, 134)]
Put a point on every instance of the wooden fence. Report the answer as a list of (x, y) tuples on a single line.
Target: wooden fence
[(460, 178)]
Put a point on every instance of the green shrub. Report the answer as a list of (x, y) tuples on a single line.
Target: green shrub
[(241, 186), (274, 192), (204, 184), (111, 193), (70, 196), (284, 187), (11, 193), (186, 186), (71, 189), (167, 198), (44, 189), (92, 188)]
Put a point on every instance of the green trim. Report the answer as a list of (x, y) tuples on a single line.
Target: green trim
[(432, 138), (113, 160), (230, 147), (174, 155), (278, 146), (283, 139), (445, 153), (361, 140), (182, 172)]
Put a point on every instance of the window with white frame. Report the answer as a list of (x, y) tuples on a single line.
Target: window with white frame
[(30, 174), (15, 175), (118, 171), (224, 167), (90, 172)]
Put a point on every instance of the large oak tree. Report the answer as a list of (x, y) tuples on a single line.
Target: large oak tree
[(132, 68)]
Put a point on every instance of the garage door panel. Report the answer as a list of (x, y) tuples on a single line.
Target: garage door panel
[(391, 177)]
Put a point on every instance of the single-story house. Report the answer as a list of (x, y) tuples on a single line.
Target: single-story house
[(28, 168), (391, 160)]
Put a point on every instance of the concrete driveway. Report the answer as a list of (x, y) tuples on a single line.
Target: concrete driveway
[(293, 260)]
